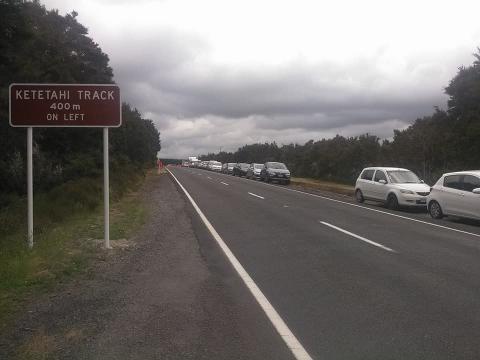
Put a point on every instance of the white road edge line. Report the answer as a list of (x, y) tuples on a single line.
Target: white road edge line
[(258, 196), (285, 333), (358, 237), (224, 183), (375, 210), (370, 209)]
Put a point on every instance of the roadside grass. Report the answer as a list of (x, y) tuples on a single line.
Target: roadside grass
[(323, 185), (68, 228)]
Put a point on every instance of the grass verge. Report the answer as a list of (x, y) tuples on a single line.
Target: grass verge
[(68, 235), (324, 185)]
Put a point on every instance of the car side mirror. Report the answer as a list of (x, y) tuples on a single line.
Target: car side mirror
[(383, 182), (476, 191), (423, 182)]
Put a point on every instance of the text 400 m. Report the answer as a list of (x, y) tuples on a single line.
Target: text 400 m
[(64, 106)]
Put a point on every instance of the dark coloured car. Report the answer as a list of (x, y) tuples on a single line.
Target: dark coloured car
[(275, 171), (240, 169)]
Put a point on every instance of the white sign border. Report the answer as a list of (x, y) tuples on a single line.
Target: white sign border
[(61, 126)]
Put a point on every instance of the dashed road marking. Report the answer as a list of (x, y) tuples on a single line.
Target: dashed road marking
[(358, 237), (258, 196)]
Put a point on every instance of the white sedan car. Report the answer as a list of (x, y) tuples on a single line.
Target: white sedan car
[(393, 186), (456, 194)]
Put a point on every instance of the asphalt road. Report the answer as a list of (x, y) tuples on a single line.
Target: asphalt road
[(351, 282)]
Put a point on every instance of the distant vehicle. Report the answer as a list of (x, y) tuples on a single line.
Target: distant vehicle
[(224, 168), (203, 164), (185, 163), (275, 171), (393, 186), (230, 167), (456, 194), (254, 171), (214, 165), (240, 169)]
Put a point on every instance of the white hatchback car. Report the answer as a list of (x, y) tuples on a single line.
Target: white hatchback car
[(393, 186), (456, 194), (214, 165)]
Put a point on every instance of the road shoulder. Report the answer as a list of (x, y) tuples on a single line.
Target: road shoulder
[(172, 296)]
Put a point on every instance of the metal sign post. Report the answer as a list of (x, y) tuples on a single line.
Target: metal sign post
[(30, 186), (106, 190), (65, 105)]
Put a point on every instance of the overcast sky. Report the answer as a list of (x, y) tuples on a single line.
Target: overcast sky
[(219, 73)]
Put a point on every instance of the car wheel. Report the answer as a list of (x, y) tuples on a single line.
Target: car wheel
[(435, 210), (359, 196), (392, 202)]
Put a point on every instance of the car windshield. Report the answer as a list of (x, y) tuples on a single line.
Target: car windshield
[(258, 166), (243, 166), (276, 165), (215, 163), (403, 177)]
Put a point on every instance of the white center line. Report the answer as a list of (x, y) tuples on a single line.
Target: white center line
[(224, 183), (358, 237), (258, 196), (208, 177)]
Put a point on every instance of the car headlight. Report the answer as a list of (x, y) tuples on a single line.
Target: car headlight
[(405, 191)]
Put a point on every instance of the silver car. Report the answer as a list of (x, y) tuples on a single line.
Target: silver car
[(456, 194), (254, 171)]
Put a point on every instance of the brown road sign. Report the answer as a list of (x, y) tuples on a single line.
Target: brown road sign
[(65, 105)]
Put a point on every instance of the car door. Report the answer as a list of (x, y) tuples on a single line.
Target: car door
[(379, 190), (471, 202), (453, 194), (365, 183)]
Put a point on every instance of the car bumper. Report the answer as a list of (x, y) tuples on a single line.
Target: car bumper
[(279, 178), (412, 200)]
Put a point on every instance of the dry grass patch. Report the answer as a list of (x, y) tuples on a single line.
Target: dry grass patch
[(324, 185)]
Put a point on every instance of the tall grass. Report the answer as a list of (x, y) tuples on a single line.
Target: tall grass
[(66, 220)]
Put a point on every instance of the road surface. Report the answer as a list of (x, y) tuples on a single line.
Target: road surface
[(350, 281)]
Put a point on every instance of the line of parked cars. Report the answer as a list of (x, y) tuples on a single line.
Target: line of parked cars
[(270, 171), (454, 194)]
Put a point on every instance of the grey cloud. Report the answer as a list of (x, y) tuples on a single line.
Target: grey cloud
[(199, 105)]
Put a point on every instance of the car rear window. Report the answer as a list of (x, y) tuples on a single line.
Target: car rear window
[(470, 182), (453, 182), (367, 174)]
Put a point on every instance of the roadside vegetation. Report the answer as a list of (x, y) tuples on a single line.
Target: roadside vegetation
[(41, 46), (447, 140), (68, 235)]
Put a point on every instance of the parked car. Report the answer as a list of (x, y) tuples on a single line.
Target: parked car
[(240, 169), (393, 186), (224, 168), (230, 167), (275, 171), (456, 194), (254, 171), (214, 165)]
